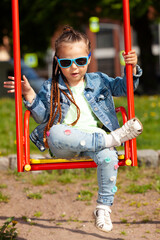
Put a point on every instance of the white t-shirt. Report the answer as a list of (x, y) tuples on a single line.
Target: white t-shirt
[(87, 122)]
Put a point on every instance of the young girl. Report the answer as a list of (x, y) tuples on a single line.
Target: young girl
[(75, 109)]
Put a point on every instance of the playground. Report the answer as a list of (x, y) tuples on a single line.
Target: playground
[(60, 205)]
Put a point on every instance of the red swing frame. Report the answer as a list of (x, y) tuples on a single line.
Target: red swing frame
[(23, 142)]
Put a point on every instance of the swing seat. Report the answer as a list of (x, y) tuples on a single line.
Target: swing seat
[(58, 163)]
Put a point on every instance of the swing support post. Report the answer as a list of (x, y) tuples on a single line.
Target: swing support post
[(23, 150), (18, 91), (129, 76)]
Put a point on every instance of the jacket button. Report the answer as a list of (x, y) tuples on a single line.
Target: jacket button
[(95, 109), (87, 95)]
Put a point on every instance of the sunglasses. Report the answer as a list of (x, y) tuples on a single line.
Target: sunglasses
[(67, 62)]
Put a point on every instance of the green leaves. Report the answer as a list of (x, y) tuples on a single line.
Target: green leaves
[(8, 230)]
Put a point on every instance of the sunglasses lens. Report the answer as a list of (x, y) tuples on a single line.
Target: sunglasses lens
[(65, 62), (81, 61)]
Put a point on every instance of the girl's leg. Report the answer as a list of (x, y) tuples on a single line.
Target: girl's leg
[(107, 165), (64, 137), (65, 141), (74, 140)]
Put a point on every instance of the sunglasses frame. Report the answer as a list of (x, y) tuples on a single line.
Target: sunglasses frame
[(73, 60)]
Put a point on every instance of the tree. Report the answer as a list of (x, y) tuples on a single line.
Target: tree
[(5, 19)]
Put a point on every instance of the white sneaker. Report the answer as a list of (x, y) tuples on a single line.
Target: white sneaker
[(131, 129), (102, 216)]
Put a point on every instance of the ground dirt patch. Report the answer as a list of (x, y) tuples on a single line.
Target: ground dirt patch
[(59, 205)]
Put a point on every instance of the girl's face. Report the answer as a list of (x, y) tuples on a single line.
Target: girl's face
[(74, 74)]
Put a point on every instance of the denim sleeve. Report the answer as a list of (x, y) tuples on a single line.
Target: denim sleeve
[(137, 76), (118, 85), (40, 106)]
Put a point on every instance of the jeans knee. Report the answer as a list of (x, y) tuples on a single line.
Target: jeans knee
[(56, 129), (54, 135), (107, 157), (57, 133), (62, 136)]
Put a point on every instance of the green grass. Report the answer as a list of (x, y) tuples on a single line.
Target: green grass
[(3, 198), (38, 214), (123, 233), (8, 127), (34, 195), (66, 176), (134, 174), (41, 179), (138, 180), (147, 109), (84, 195), (134, 188), (3, 186)]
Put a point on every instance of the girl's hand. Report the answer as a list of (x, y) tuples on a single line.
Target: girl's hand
[(27, 91), (131, 58)]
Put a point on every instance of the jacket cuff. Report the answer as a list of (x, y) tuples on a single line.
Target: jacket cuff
[(138, 72), (31, 105)]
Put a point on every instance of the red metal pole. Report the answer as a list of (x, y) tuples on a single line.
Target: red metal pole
[(124, 117), (18, 92), (129, 75), (53, 166), (26, 138)]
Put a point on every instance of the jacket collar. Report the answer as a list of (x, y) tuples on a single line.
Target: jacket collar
[(61, 83), (89, 82)]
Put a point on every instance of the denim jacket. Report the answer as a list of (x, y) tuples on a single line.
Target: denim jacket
[(99, 92)]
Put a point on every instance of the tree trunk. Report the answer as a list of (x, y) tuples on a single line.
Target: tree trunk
[(148, 81)]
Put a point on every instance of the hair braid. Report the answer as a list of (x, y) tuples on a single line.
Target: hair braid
[(52, 106), (68, 35)]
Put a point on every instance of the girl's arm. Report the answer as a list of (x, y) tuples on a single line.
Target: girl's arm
[(131, 58), (32, 101), (118, 85)]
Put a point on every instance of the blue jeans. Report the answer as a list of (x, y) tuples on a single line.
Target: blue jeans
[(66, 142)]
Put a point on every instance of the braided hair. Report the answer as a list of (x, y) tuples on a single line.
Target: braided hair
[(69, 35)]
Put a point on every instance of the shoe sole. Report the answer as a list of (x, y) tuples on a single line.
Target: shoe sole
[(141, 130)]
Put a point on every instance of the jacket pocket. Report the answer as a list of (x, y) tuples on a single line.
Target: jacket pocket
[(104, 100)]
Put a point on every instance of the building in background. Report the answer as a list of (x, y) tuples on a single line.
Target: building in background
[(106, 46), (109, 41)]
